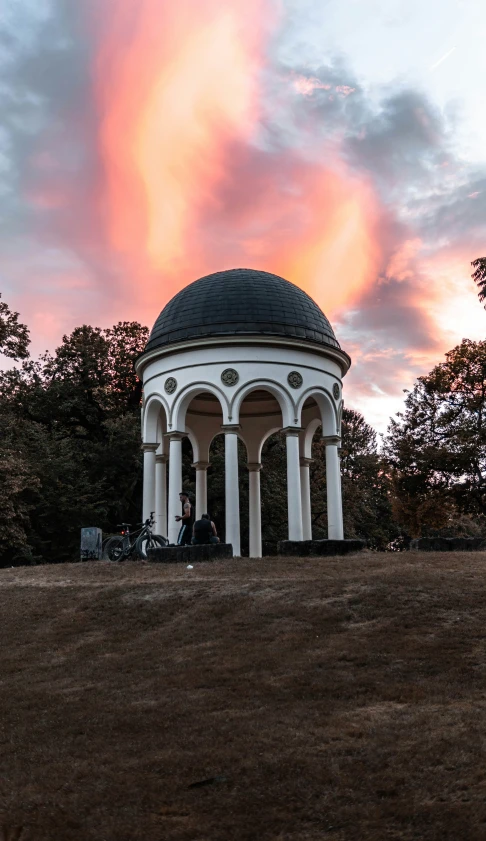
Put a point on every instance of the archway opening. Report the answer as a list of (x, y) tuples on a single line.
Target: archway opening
[(318, 418), (204, 406), (216, 488), (273, 481), (261, 420), (188, 479), (315, 449)]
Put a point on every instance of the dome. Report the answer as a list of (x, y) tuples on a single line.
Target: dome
[(241, 302)]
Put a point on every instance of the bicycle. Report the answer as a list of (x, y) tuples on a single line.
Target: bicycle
[(121, 547)]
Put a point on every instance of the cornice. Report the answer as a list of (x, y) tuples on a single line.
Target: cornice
[(338, 355)]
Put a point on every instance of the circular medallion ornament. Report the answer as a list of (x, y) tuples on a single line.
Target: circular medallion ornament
[(295, 379), (336, 391), (170, 385), (230, 376)]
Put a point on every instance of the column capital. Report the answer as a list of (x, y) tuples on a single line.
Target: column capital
[(254, 466), (201, 465), (162, 458), (148, 447), (230, 427), (291, 430), (175, 435), (304, 462), (332, 440)]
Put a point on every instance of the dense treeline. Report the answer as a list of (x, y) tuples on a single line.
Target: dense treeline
[(70, 451), (70, 443)]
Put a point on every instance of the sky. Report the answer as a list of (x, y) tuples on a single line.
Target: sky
[(338, 143)]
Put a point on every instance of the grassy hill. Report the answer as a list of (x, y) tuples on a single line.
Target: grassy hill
[(334, 698)]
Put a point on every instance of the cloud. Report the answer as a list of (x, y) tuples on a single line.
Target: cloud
[(146, 143)]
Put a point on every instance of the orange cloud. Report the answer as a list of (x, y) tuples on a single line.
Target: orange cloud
[(336, 252), (187, 190), (175, 82)]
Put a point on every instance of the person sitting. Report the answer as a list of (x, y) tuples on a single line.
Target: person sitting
[(204, 531)]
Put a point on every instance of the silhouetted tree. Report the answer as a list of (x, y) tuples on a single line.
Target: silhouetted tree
[(14, 337), (71, 422), (479, 276), (437, 447)]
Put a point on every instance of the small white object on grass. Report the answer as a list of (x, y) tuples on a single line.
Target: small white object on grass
[(190, 566)]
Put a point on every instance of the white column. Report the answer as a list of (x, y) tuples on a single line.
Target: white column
[(175, 484), (306, 498), (161, 494), (255, 510), (148, 479), (294, 501), (232, 490), (333, 481), (201, 488)]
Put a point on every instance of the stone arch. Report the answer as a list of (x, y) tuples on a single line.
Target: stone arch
[(327, 408), (308, 436), (241, 437), (152, 423), (194, 443), (282, 396), (177, 418)]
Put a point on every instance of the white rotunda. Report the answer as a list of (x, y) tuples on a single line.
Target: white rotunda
[(245, 353)]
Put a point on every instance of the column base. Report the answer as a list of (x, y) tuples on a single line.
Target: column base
[(316, 548)]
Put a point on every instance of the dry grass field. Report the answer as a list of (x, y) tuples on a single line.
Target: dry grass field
[(275, 700)]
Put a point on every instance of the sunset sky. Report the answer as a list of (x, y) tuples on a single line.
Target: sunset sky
[(339, 143)]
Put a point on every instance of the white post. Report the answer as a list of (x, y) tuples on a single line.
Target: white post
[(255, 510), (201, 488), (306, 498), (175, 484), (161, 494), (294, 500), (232, 490), (148, 479), (333, 481)]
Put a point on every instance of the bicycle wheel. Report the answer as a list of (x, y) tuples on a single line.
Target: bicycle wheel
[(149, 541), (113, 550)]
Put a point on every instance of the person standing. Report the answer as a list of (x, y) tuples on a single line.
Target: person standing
[(186, 521)]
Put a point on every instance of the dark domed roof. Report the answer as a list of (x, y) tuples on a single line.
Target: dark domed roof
[(242, 302)]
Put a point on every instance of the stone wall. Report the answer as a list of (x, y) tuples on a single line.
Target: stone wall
[(190, 554), (304, 548), (448, 544)]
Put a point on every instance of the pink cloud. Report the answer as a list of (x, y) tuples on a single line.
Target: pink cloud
[(306, 85)]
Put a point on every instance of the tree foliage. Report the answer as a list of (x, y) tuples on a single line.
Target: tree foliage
[(71, 445), (479, 276), (437, 447), (14, 336)]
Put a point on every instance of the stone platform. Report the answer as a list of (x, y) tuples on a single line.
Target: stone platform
[(316, 548), (448, 544), (190, 554)]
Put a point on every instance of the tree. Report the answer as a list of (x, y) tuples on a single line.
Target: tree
[(18, 488), (479, 276), (14, 337), (437, 447), (76, 416)]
